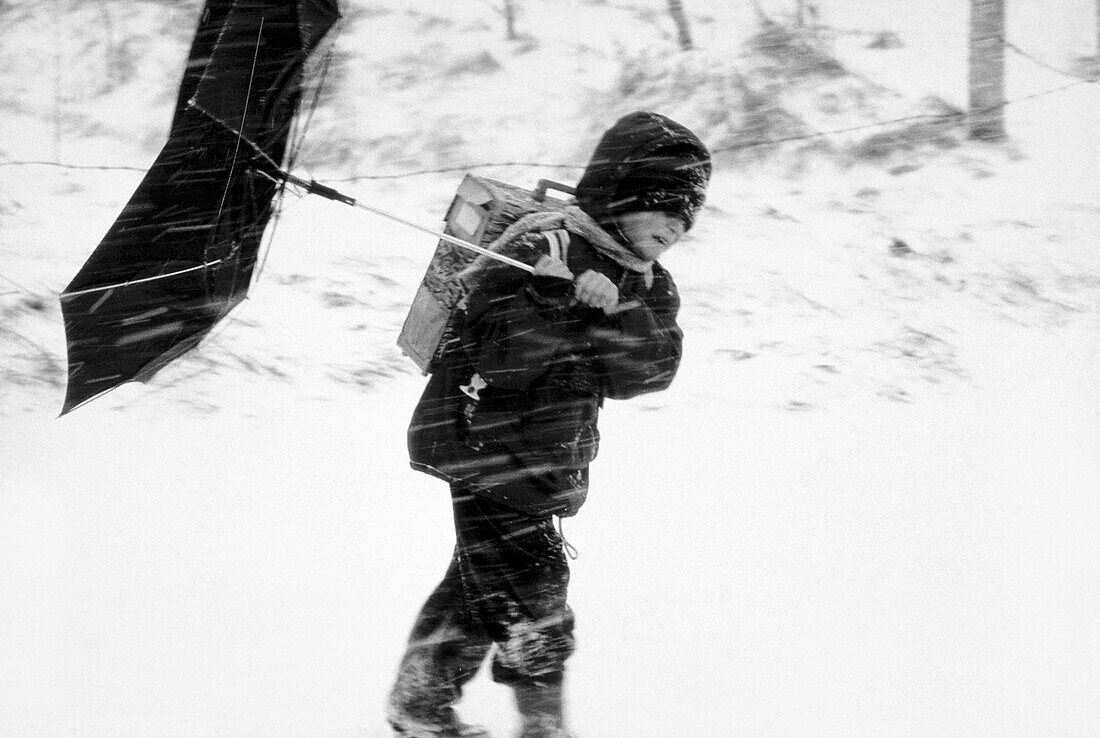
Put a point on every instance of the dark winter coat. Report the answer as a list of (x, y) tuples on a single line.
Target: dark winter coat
[(511, 408)]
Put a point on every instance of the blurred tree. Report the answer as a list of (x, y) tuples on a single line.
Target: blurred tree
[(510, 19), (800, 14), (987, 69), (118, 65), (760, 14), (679, 17)]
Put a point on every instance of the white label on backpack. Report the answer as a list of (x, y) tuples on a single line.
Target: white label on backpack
[(468, 219)]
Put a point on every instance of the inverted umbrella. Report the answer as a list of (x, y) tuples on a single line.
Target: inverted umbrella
[(181, 254)]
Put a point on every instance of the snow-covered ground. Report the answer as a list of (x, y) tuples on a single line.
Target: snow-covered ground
[(867, 507)]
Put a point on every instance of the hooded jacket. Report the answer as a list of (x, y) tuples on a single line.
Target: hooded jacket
[(511, 409), (636, 142)]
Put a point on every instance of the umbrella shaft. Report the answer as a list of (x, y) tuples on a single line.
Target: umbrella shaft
[(316, 188), (448, 238)]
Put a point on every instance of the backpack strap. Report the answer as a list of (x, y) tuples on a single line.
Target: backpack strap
[(558, 239)]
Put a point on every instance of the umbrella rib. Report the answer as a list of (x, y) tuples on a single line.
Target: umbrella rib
[(104, 288), (244, 117)]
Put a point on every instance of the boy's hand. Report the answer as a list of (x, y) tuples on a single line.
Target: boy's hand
[(590, 288), (595, 290)]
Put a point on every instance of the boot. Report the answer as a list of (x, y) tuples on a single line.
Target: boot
[(450, 728), (541, 710), (443, 723)]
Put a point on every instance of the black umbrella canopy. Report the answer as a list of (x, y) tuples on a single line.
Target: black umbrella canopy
[(180, 255)]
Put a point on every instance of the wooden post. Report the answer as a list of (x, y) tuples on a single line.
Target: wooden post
[(510, 19), (683, 31), (987, 70)]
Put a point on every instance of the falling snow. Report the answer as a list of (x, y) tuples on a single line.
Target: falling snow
[(867, 506)]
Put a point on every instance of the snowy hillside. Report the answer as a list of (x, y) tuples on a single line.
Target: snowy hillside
[(866, 507)]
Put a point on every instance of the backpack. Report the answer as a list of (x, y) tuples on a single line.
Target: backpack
[(480, 212)]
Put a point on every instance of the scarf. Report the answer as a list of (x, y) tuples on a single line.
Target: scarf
[(574, 220)]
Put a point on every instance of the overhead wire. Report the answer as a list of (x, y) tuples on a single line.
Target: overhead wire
[(948, 116), (1044, 64), (759, 143)]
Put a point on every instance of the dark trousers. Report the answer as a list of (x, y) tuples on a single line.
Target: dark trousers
[(504, 591)]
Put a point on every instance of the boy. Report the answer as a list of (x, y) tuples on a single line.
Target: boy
[(508, 418)]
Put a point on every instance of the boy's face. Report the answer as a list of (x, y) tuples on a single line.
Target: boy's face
[(651, 232)]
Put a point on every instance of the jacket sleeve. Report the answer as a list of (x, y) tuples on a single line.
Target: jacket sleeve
[(514, 327), (638, 350)]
